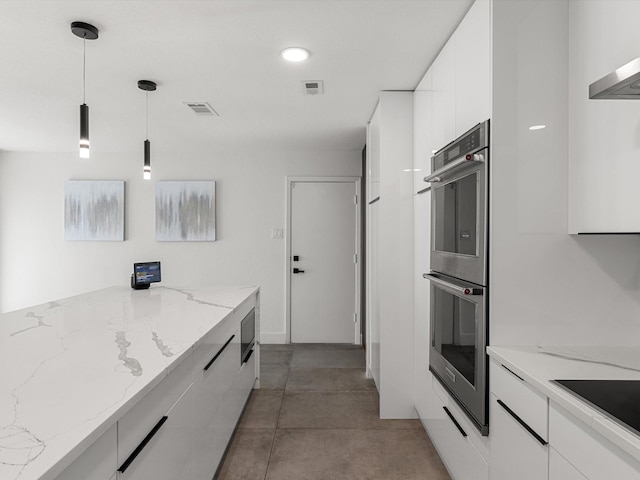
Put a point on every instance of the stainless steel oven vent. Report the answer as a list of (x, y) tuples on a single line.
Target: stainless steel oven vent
[(624, 83)]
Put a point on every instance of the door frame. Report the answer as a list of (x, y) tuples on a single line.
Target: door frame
[(290, 180)]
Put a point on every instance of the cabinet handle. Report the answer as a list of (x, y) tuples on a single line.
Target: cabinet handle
[(143, 444), (542, 441), (455, 422), (512, 373), (215, 357), (246, 359)]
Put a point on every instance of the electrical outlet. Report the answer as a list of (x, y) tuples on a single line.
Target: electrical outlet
[(277, 233)]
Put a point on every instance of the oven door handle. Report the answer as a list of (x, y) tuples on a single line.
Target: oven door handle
[(467, 291), (435, 176)]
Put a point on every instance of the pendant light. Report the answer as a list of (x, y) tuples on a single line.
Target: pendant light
[(147, 86), (85, 32)]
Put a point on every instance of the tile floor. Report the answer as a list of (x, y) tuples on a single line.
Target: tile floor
[(316, 418)]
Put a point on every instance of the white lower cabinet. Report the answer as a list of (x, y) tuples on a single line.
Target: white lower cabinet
[(561, 469), (595, 457), (170, 442), (518, 429), (454, 438), (515, 452), (211, 388), (187, 439)]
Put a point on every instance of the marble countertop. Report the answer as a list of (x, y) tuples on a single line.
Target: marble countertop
[(539, 365), (71, 368)]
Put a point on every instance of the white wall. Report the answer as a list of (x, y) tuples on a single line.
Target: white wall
[(37, 265), (548, 287)]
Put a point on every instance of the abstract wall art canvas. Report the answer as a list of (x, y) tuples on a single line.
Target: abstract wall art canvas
[(94, 210), (186, 211)]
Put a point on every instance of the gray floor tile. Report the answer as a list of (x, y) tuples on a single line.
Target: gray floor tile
[(276, 347), (262, 410), (328, 379), (336, 410), (328, 358), (279, 358), (273, 377), (354, 454), (326, 346), (248, 455)]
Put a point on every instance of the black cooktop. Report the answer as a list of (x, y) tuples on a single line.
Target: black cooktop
[(618, 399)]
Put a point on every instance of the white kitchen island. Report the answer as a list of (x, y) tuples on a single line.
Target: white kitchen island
[(84, 380)]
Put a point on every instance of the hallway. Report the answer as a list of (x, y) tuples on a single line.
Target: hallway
[(316, 418)]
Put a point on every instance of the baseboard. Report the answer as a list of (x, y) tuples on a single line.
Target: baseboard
[(271, 337)]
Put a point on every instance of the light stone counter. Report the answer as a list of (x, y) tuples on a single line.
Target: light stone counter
[(538, 365), (70, 369)]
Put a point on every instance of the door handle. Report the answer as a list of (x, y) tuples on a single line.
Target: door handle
[(297, 270)]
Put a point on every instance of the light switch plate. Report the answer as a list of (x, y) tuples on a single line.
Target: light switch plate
[(277, 233)]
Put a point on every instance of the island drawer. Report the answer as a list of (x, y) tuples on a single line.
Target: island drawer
[(519, 399), (134, 426)]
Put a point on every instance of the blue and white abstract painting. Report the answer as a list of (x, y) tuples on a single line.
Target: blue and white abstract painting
[(186, 211), (94, 210)]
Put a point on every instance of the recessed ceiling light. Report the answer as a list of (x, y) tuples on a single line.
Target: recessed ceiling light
[(537, 127), (295, 54)]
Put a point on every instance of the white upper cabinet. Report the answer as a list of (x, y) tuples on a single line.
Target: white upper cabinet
[(604, 144), (473, 68), (443, 71), (422, 133), (460, 82)]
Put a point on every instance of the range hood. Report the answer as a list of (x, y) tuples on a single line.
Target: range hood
[(624, 83)]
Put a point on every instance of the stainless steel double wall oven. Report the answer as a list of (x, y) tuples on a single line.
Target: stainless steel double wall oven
[(459, 270)]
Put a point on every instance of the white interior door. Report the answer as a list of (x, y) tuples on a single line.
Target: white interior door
[(323, 244)]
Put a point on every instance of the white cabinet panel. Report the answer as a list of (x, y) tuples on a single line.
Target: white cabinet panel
[(210, 390), (591, 454), (373, 303), (561, 469), (166, 453), (422, 134), (458, 454), (515, 453), (424, 396), (444, 95), (98, 462), (473, 68)]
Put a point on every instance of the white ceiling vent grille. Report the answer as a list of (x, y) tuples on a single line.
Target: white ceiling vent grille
[(313, 87), (201, 108)]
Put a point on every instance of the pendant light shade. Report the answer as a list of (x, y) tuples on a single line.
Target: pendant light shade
[(84, 131), (146, 170), (86, 32), (147, 86)]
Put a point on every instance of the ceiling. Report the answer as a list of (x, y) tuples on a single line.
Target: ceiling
[(222, 52)]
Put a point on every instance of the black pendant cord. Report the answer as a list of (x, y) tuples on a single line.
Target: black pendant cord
[(84, 70), (147, 122)]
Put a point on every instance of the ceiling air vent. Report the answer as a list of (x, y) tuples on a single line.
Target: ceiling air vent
[(201, 108), (313, 87)]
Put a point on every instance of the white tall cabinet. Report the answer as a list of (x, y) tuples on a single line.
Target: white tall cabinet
[(390, 247)]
